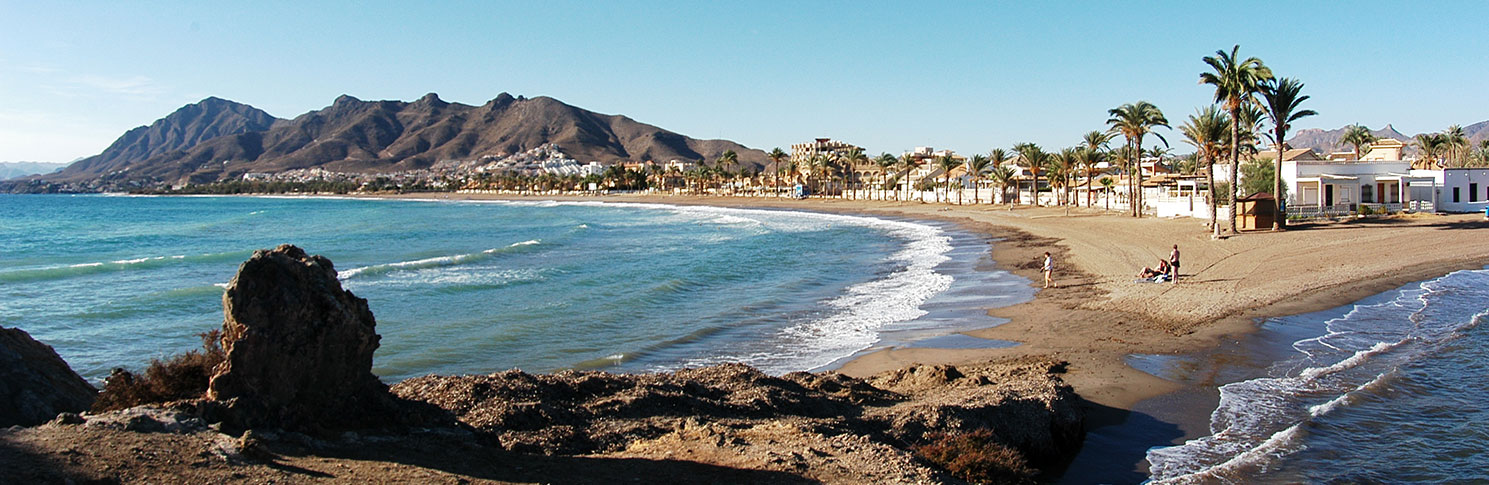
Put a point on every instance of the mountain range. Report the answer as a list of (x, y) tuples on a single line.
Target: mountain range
[(1326, 141), (217, 139), (10, 170)]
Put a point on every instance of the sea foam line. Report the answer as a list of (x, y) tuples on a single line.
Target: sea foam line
[(82, 269), (435, 262)]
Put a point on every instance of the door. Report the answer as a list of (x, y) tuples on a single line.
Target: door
[(1328, 195)]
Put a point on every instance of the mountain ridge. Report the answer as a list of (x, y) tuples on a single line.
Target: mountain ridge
[(1326, 141), (217, 139)]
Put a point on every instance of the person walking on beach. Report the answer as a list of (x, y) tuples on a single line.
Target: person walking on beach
[(1049, 267), (1173, 264)]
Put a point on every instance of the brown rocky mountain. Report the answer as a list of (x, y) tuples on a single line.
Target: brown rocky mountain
[(1325, 141), (187, 127), (353, 135)]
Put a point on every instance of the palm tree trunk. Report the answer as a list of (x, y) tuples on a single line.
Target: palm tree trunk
[(1088, 189), (1210, 176), (1138, 166), (1278, 216), (1035, 187), (1235, 163)]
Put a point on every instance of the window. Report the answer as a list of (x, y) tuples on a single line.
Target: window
[(1365, 194), (1456, 197), (1473, 192)]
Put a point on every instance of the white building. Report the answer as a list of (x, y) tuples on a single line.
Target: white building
[(1463, 189)]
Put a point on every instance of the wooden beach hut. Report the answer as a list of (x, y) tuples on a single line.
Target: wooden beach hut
[(1257, 211)]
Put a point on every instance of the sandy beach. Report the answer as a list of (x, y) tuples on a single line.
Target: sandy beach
[(1098, 315)]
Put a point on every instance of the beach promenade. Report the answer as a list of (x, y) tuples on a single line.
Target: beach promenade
[(1099, 314)]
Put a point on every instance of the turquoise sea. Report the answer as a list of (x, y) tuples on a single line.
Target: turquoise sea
[(476, 287)]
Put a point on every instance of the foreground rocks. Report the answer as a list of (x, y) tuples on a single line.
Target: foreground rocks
[(298, 347), (35, 383), (826, 427)]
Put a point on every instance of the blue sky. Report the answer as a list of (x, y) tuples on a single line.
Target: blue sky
[(968, 76)]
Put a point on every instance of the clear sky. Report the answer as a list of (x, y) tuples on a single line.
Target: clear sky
[(889, 76)]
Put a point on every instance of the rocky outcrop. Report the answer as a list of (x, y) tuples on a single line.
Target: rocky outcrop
[(35, 383), (298, 347), (800, 422)]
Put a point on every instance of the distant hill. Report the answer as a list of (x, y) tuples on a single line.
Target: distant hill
[(184, 129), (1326, 141), (10, 170), (216, 139)]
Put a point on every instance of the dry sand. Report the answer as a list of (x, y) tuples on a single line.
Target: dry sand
[(1098, 314)]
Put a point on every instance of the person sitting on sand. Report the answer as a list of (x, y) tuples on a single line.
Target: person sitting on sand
[(1149, 273)]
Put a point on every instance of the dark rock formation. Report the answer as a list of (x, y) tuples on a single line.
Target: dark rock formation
[(35, 383), (299, 347), (582, 412), (1024, 404)]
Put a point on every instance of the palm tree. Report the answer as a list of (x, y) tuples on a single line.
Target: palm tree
[(1066, 161), (1455, 144), (728, 159), (1095, 144), (885, 162), (1089, 158), (947, 163), (1236, 84), (1358, 136), (1133, 120), (776, 156), (1206, 130), (1431, 145), (1106, 184), (1002, 176), (998, 157), (976, 166), (907, 162), (851, 161), (1283, 100), (1031, 157)]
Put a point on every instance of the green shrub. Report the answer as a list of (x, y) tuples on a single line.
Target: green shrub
[(183, 376), (976, 457)]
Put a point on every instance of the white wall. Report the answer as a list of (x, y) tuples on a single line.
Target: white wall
[(1464, 180)]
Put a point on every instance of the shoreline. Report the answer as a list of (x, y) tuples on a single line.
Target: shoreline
[(1053, 322)]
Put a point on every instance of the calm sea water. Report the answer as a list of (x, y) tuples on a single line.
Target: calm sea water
[(1388, 390), (477, 287)]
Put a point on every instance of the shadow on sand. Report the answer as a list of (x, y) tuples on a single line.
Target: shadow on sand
[(1116, 446), (489, 463)]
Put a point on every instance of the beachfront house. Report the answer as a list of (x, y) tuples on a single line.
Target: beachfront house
[(1461, 189), (1381, 180)]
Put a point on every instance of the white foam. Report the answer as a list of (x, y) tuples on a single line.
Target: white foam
[(438, 261), (1279, 443), (1350, 363)]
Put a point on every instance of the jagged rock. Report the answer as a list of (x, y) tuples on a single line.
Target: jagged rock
[(299, 347), (35, 383)]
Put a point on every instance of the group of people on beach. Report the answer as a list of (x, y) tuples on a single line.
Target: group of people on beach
[(1167, 270)]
